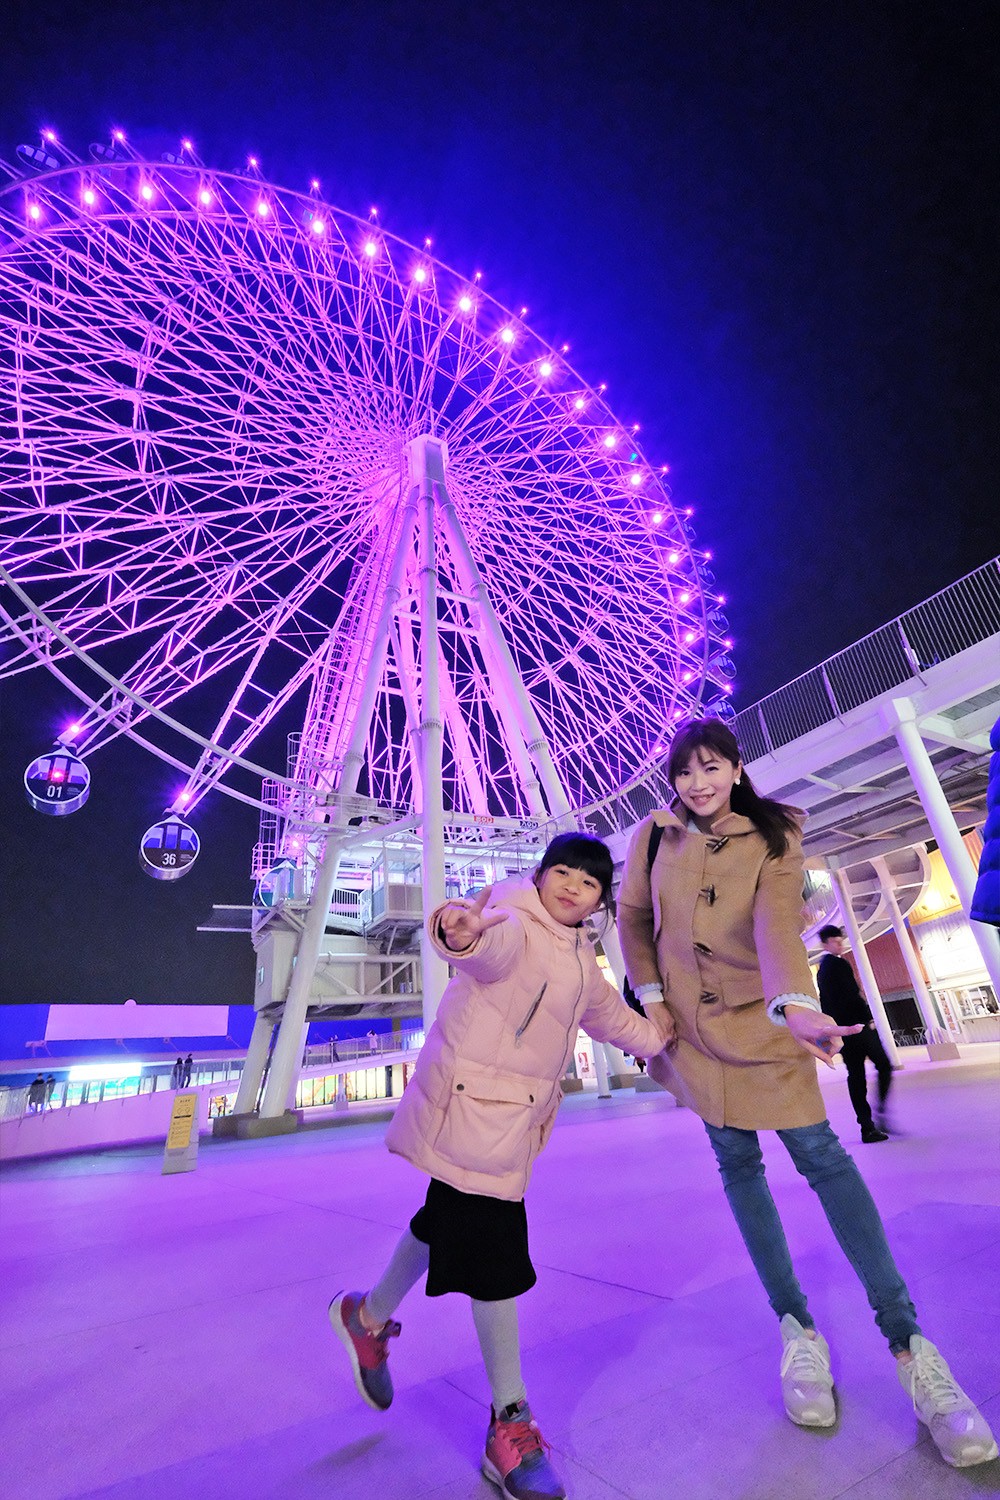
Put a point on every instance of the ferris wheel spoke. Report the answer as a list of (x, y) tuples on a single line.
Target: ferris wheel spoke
[(214, 383)]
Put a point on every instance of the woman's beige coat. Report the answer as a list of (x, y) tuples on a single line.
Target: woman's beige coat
[(719, 924)]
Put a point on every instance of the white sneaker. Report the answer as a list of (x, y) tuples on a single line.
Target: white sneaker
[(806, 1381), (959, 1430)]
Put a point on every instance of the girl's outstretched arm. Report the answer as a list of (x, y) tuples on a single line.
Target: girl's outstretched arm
[(488, 944), (608, 1019)]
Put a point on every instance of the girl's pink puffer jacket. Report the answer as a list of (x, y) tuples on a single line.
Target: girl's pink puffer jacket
[(485, 1090)]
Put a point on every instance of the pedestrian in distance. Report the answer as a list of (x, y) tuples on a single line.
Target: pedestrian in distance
[(36, 1094), (480, 1107), (50, 1088), (841, 998), (186, 1067), (177, 1073), (710, 919)]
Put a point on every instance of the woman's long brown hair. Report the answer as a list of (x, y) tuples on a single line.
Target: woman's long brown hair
[(771, 819)]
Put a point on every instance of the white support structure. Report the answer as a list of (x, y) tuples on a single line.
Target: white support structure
[(428, 457), (907, 948), (287, 1057), (512, 689), (903, 724), (868, 983), (253, 1068)]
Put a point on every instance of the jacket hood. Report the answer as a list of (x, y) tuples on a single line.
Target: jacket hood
[(730, 825)]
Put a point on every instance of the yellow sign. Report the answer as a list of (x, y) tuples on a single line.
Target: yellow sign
[(182, 1119)]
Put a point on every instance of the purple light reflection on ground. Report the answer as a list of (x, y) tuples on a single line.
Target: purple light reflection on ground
[(170, 1333)]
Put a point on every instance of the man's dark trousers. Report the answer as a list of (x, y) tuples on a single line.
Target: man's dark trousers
[(867, 1044)]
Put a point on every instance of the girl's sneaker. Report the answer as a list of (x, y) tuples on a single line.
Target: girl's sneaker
[(959, 1430), (369, 1352), (515, 1457), (806, 1381)]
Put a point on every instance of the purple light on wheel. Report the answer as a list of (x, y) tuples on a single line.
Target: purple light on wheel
[(376, 359), (89, 197)]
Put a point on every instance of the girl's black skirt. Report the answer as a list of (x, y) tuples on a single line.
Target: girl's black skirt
[(478, 1246)]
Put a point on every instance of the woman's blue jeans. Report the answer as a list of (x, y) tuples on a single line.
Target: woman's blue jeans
[(847, 1203)]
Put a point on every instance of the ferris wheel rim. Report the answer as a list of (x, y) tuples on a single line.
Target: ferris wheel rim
[(77, 170)]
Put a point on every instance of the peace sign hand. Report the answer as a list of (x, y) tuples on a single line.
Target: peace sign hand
[(461, 925)]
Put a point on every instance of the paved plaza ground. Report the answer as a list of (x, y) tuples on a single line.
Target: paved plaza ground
[(167, 1336)]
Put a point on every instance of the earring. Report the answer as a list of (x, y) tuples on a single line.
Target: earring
[(737, 781)]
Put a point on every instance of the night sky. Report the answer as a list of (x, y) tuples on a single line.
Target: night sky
[(769, 228)]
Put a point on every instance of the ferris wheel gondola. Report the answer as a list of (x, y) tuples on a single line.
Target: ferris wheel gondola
[(215, 383)]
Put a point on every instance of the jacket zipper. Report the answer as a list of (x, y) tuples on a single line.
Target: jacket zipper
[(519, 1033)]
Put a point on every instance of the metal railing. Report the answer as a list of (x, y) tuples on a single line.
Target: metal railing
[(960, 616), (361, 1049)]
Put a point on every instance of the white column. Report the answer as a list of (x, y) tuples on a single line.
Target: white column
[(279, 1091), (945, 830), (617, 1064), (907, 948), (868, 984), (253, 1066), (601, 1065), (428, 457)]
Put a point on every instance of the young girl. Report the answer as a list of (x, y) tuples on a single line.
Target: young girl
[(709, 916), (480, 1106)]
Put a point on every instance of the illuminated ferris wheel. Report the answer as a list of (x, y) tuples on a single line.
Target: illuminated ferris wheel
[(271, 475)]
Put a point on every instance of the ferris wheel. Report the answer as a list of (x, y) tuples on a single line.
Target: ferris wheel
[(221, 399)]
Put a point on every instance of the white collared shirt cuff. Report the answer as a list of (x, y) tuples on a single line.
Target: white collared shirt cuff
[(780, 1001), (652, 991)]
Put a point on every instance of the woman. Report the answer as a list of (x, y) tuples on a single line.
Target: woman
[(710, 918)]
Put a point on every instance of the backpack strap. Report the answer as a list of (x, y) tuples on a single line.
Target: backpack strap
[(655, 835)]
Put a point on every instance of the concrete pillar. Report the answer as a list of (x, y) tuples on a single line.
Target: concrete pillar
[(944, 828), (907, 948), (622, 1075), (601, 1064), (253, 1067), (868, 984)]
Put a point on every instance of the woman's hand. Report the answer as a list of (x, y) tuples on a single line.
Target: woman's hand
[(817, 1033), (462, 925)]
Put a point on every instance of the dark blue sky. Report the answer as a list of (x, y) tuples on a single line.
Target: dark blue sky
[(769, 228)]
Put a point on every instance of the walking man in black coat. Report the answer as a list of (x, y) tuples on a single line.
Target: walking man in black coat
[(842, 999)]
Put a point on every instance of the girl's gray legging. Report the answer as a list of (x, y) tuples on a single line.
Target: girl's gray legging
[(496, 1322)]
